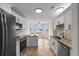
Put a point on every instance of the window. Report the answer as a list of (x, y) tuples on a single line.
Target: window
[(41, 27)]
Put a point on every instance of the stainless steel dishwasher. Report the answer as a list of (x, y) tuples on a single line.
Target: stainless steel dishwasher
[(63, 50)]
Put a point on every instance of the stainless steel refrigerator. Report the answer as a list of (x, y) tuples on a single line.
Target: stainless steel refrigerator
[(7, 34)]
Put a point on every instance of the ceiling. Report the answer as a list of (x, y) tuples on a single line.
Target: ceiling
[(27, 10)]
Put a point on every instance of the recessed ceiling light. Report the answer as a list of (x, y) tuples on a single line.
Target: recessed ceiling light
[(38, 10), (60, 9)]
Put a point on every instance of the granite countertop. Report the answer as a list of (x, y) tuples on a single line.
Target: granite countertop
[(20, 37), (33, 35), (64, 41)]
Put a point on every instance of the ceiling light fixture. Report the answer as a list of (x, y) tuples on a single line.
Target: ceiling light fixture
[(38, 10), (60, 9)]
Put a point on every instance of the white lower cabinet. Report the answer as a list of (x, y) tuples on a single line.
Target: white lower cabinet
[(18, 48), (54, 45), (32, 41)]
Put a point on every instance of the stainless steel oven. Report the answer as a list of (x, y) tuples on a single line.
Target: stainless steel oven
[(22, 44)]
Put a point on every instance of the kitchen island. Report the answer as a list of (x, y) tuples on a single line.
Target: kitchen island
[(32, 41)]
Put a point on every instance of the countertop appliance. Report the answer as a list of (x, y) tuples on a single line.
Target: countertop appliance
[(7, 34)]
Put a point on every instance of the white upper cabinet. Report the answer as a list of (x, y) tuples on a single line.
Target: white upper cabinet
[(19, 20), (60, 20)]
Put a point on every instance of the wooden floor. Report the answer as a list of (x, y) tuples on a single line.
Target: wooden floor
[(42, 50)]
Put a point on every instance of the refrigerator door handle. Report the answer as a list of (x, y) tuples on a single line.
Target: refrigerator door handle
[(3, 35), (6, 33)]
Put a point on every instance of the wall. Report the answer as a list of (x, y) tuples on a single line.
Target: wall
[(50, 28), (75, 28)]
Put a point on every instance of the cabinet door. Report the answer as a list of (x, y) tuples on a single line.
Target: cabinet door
[(34, 41), (28, 41), (18, 20), (62, 50), (54, 45)]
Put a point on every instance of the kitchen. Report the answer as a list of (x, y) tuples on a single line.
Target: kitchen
[(41, 29)]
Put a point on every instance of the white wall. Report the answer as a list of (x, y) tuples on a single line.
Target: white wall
[(75, 28), (51, 28)]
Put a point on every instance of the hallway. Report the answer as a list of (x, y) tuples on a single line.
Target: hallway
[(42, 50)]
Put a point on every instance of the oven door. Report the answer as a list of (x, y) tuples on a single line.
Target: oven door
[(22, 44)]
